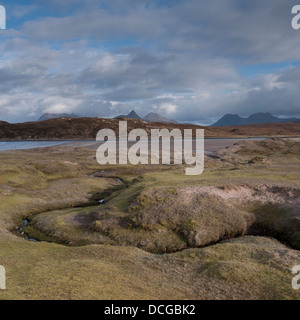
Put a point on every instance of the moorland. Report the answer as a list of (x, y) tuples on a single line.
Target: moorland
[(151, 232), (86, 129)]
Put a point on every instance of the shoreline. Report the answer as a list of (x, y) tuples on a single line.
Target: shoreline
[(211, 144), (208, 138)]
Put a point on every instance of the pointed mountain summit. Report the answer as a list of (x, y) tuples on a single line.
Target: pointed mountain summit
[(131, 115)]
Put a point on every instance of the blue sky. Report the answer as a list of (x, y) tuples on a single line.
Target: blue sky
[(191, 60)]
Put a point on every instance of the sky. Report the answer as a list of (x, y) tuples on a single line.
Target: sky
[(189, 60)]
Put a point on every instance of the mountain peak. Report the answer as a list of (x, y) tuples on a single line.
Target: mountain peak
[(132, 115), (155, 117)]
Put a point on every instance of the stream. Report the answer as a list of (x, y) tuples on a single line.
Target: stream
[(21, 232), (102, 201)]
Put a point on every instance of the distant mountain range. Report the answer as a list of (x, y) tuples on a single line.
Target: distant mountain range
[(151, 117), (256, 118), (226, 120), (48, 116)]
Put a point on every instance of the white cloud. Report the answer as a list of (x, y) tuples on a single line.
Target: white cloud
[(168, 108), (182, 61)]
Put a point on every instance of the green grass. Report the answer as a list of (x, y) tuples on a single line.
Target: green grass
[(117, 251), (230, 270)]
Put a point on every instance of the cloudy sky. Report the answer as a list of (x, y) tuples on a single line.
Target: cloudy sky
[(190, 60)]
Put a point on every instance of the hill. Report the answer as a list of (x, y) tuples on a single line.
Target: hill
[(256, 118), (265, 130), (87, 128), (84, 128), (48, 116)]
